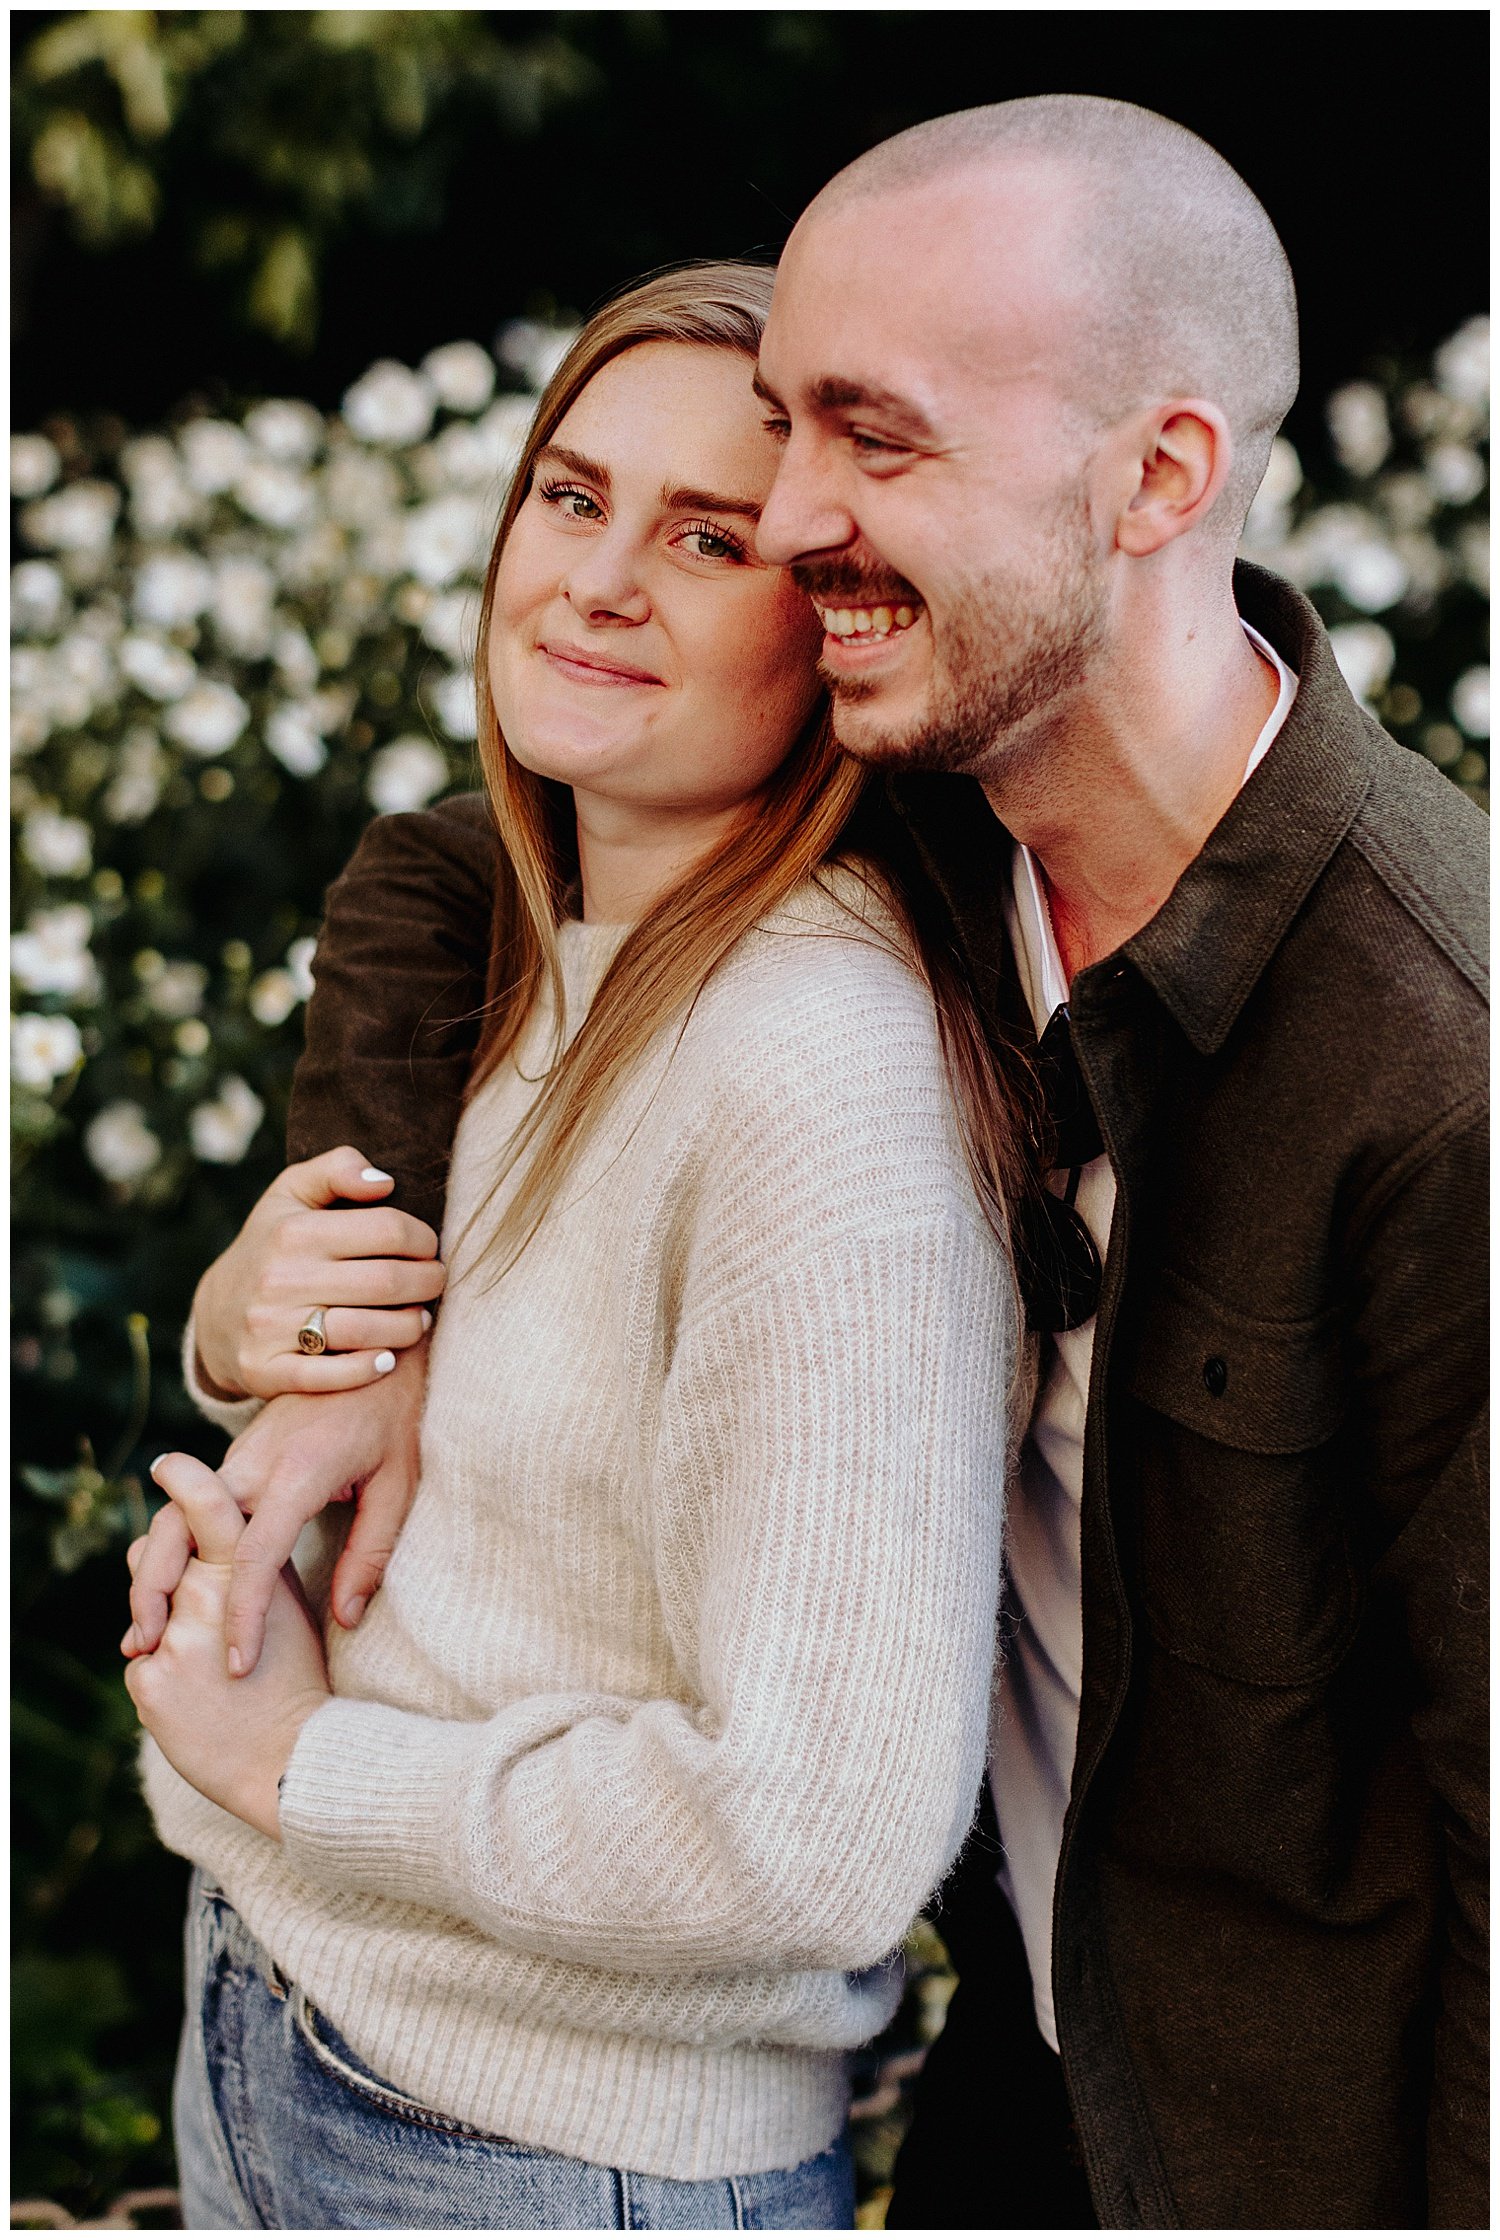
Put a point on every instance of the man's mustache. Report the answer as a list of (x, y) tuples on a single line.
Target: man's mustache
[(844, 583)]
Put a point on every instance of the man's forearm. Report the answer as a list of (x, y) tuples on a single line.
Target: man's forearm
[(400, 984)]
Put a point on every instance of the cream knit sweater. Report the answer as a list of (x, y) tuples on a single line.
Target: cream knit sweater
[(672, 1708)]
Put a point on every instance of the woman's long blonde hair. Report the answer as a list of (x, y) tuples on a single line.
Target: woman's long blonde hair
[(809, 811)]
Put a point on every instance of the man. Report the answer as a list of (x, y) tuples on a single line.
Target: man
[(1222, 1961)]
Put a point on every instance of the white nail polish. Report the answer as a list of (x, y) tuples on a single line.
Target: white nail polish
[(374, 1174), (156, 1465), (384, 1364), (426, 1319)]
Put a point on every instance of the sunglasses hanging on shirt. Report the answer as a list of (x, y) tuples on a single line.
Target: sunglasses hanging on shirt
[(1063, 1271)]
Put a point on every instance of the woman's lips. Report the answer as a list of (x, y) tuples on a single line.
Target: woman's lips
[(590, 668)]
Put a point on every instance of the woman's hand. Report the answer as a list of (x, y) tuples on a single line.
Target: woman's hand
[(299, 1454), (372, 1267), (232, 1739)]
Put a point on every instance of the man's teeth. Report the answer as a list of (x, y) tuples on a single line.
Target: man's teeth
[(867, 622)]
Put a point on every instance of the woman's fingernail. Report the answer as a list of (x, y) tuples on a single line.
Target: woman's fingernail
[(132, 1641), (426, 1319), (354, 1609), (236, 1663), (156, 1465), (375, 1174), (384, 1364)]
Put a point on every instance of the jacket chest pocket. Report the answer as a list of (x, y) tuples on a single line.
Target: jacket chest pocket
[(1243, 1457)]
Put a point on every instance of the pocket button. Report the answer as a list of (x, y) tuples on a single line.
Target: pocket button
[(1216, 1376)]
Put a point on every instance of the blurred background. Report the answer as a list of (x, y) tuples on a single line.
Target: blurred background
[(286, 285)]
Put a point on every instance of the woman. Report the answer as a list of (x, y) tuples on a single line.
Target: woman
[(556, 1894)]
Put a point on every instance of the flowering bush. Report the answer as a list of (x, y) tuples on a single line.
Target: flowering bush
[(234, 641)]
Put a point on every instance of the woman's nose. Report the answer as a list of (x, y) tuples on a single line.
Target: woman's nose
[(606, 582)]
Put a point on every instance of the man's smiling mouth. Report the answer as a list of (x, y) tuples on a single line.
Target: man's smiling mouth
[(868, 623)]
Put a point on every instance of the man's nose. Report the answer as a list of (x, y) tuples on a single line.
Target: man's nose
[(803, 514)]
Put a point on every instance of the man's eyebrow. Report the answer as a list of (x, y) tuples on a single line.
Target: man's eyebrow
[(707, 501), (833, 394), (572, 462)]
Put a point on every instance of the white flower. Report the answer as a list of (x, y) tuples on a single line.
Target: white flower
[(361, 489), (80, 518), (38, 598), (406, 774), (275, 494), (1462, 365), (1371, 575), (1474, 554), (243, 605), (479, 454), (161, 501), (1365, 654), (285, 429), (532, 350), (390, 404), (222, 1130), (293, 737), (52, 957), (210, 719), (454, 702), (296, 659), (462, 374), (1407, 499), (1456, 472), (176, 991), (1361, 431), (1470, 702), (446, 538), (120, 1144), (273, 997), (163, 671), (215, 455), (172, 588), (451, 624), (299, 963), (35, 465), (140, 774), (61, 847), (43, 1049)]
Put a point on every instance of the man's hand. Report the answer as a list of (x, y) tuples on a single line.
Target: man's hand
[(299, 1454), (371, 1267), (232, 1739)]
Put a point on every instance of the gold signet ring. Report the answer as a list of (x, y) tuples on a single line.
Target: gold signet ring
[(312, 1338)]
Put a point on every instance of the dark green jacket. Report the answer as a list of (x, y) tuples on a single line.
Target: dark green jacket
[(1269, 1958)]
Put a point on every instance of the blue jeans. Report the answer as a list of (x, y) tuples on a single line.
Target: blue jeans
[(280, 2127)]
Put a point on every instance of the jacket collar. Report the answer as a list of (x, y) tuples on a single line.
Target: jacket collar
[(1222, 923), (1218, 929)]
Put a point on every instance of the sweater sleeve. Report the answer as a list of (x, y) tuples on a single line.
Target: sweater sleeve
[(827, 1461)]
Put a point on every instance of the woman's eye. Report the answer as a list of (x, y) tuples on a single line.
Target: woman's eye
[(706, 543), (572, 503)]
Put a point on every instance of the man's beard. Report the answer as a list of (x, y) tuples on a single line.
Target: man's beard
[(1011, 648)]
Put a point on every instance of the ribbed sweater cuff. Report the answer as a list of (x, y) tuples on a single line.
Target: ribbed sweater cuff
[(369, 1800), (233, 1416)]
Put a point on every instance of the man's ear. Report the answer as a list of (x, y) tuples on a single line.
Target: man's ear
[(1181, 464)]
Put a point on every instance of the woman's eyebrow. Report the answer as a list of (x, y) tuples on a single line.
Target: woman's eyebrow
[(707, 501), (573, 462)]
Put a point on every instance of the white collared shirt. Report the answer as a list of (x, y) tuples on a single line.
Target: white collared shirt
[(1035, 1731)]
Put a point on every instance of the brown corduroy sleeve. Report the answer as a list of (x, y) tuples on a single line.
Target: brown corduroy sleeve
[(400, 979)]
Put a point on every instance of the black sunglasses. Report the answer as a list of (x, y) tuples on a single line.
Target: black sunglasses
[(1063, 1272)]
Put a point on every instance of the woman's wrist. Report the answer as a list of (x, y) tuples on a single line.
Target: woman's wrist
[(213, 1372)]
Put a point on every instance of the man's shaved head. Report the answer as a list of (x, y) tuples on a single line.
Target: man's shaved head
[(1173, 273)]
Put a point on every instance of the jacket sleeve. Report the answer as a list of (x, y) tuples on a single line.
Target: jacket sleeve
[(1422, 1331), (399, 984)]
